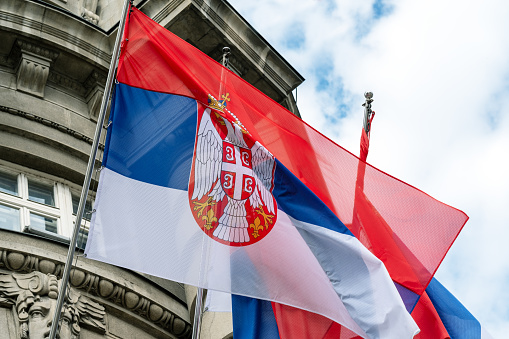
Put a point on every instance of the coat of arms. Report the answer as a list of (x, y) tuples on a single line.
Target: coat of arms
[(232, 178)]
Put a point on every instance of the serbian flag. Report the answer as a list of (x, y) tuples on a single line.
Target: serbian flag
[(438, 314), (441, 316), (209, 182)]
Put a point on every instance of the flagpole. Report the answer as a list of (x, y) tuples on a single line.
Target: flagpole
[(198, 305), (88, 176), (198, 314)]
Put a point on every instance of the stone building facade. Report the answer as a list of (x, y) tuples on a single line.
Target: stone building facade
[(54, 57)]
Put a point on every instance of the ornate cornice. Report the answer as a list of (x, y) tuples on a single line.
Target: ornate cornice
[(58, 33), (94, 284), (41, 51)]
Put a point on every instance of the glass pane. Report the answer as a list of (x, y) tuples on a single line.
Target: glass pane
[(8, 183), (88, 207), (9, 218), (43, 223), (41, 193), (82, 238)]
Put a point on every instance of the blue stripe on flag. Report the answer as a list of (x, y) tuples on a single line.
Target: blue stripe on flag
[(298, 201), (253, 318), (458, 321), (152, 140)]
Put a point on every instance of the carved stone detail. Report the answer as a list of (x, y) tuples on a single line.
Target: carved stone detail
[(33, 67), (34, 297), (93, 284), (95, 83), (94, 100), (88, 12), (66, 82), (95, 79)]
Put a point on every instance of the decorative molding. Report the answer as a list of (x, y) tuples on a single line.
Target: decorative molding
[(82, 280), (34, 296), (60, 34), (95, 78), (49, 123), (24, 46), (67, 83), (169, 8), (33, 64)]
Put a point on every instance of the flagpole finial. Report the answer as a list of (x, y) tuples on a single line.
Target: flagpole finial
[(226, 55), (368, 113)]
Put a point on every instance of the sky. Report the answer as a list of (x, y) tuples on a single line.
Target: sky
[(439, 71)]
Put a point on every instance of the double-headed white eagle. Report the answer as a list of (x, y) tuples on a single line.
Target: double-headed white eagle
[(210, 167)]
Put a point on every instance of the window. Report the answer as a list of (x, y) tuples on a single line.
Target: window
[(9, 217), (8, 183), (33, 201), (43, 223), (43, 194), (88, 207)]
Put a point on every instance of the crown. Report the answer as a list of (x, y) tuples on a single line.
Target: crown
[(219, 104)]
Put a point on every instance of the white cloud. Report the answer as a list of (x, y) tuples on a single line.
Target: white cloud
[(439, 71)]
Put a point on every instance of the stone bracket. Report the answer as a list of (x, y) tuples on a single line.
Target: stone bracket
[(33, 65), (95, 84)]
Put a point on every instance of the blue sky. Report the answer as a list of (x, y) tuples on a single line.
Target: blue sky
[(439, 71)]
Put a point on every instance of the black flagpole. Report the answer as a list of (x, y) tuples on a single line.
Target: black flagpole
[(88, 176)]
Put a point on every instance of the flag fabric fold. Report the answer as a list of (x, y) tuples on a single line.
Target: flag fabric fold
[(440, 316), (208, 182)]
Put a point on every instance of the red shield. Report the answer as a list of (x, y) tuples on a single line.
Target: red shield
[(242, 215), (237, 177)]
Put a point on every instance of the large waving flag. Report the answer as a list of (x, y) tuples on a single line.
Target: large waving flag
[(209, 182)]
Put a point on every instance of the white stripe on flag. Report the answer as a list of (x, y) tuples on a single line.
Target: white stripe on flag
[(159, 236)]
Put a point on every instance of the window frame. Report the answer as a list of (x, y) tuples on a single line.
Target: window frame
[(62, 194)]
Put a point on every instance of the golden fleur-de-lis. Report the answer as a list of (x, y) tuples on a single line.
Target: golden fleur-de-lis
[(267, 219), (209, 219), (256, 227)]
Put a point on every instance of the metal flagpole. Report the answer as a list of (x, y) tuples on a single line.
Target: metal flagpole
[(88, 176), (198, 305), (368, 113), (198, 314)]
